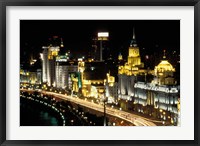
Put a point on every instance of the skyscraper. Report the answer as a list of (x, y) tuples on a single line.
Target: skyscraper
[(48, 57)]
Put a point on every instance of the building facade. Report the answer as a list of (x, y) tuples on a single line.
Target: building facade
[(48, 56), (148, 91), (63, 73)]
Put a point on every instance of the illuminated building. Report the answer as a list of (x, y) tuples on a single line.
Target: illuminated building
[(164, 73), (77, 78), (24, 76), (148, 91), (111, 89), (134, 64), (44, 57), (102, 37), (32, 77), (95, 53), (62, 58), (93, 78), (39, 76), (63, 73), (52, 54), (48, 57), (89, 79), (161, 93), (128, 73)]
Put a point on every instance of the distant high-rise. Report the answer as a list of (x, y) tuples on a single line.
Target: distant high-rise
[(96, 52), (101, 50)]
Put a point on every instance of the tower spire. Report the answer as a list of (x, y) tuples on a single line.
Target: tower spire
[(133, 41), (133, 33)]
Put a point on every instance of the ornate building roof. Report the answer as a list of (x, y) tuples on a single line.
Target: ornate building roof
[(164, 65)]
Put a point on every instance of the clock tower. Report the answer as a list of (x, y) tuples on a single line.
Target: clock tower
[(133, 64), (134, 54)]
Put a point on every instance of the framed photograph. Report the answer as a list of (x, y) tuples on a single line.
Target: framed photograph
[(99, 72)]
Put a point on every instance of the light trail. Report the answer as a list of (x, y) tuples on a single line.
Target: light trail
[(132, 118)]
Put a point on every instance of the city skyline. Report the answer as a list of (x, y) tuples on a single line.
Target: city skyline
[(151, 35), (130, 71)]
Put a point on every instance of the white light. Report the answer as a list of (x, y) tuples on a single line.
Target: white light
[(44, 47), (103, 34), (57, 48), (41, 56), (80, 59)]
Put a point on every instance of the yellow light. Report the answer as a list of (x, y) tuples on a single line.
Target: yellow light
[(103, 34), (172, 121), (54, 53)]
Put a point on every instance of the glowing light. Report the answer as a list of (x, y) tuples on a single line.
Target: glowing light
[(80, 59), (103, 34)]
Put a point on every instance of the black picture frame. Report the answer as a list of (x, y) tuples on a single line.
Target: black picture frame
[(5, 3)]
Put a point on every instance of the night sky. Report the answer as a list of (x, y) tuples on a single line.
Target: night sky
[(151, 35)]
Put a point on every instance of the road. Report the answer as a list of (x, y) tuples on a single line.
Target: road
[(134, 119)]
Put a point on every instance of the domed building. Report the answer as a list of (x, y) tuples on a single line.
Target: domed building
[(164, 73), (164, 65)]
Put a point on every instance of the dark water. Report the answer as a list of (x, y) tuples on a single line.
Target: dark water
[(34, 114)]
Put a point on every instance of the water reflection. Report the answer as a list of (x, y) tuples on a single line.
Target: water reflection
[(33, 114)]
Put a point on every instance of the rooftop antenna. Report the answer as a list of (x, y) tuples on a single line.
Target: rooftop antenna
[(164, 55)]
